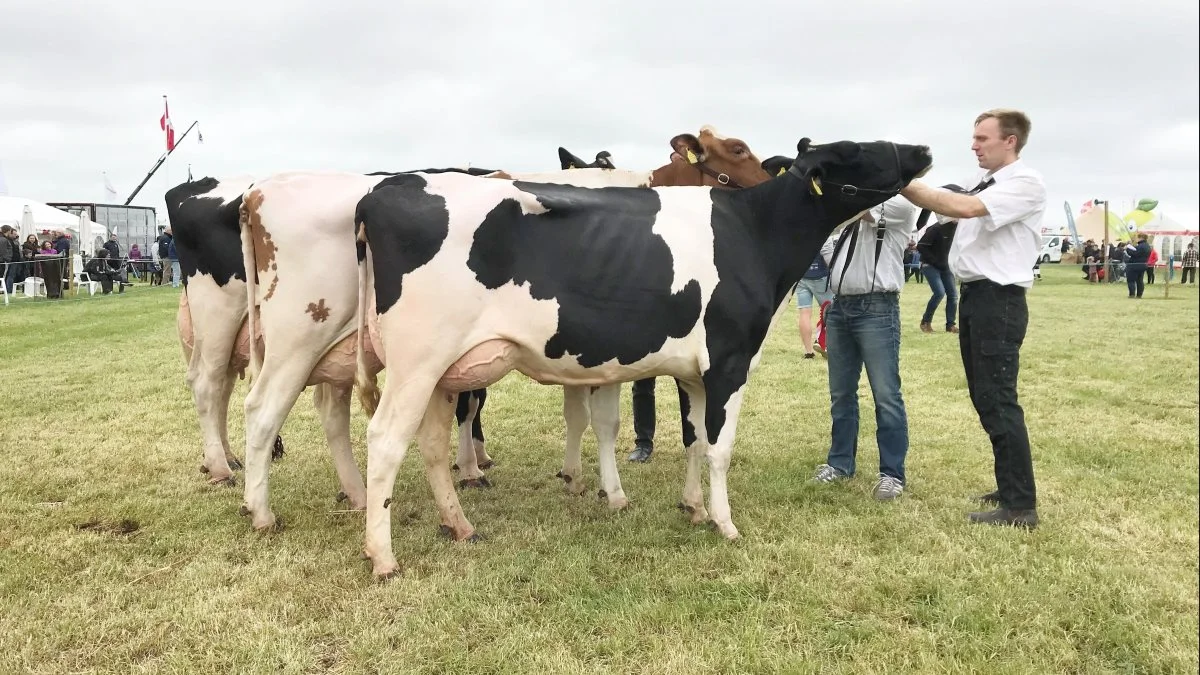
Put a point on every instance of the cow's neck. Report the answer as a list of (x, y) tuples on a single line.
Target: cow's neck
[(793, 224)]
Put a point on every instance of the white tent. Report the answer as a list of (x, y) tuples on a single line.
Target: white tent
[(47, 219)]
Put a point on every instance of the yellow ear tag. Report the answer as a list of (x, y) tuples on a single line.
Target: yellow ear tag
[(691, 157), (817, 187), (782, 170)]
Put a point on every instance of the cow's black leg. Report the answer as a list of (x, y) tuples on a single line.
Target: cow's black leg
[(478, 441)]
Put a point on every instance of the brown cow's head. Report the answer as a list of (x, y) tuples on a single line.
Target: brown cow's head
[(710, 159)]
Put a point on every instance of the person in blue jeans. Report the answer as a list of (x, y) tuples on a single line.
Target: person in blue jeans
[(862, 328), (935, 251), (814, 285)]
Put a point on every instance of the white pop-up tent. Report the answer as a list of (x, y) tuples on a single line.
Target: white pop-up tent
[(42, 219)]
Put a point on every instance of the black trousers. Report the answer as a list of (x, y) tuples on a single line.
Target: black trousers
[(992, 323), (1134, 279), (1186, 272), (644, 417)]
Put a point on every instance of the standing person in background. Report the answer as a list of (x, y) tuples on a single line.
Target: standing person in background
[(813, 285), (1150, 263), (1135, 268), (935, 263), (1191, 259)]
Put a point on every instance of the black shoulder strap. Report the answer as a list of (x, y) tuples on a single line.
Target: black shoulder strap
[(851, 231)]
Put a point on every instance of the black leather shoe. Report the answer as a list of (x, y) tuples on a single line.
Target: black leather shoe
[(1026, 518), (640, 454), (990, 498)]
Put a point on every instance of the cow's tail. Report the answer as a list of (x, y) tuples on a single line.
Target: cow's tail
[(247, 233), (364, 382)]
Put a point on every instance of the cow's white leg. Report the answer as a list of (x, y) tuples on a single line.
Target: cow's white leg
[(208, 348), (693, 493), (271, 397), (333, 404), (718, 466), (433, 436), (223, 422), (395, 422), (606, 421), (577, 417)]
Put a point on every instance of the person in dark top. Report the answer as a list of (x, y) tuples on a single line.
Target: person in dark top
[(1135, 267), (934, 249), (98, 270)]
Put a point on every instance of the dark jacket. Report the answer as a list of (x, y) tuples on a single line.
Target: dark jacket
[(163, 241), (1140, 254), (934, 248)]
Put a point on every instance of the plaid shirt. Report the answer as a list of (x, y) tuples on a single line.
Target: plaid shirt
[(1189, 257)]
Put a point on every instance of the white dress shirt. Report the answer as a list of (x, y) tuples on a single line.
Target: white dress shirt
[(1003, 245), (864, 276)]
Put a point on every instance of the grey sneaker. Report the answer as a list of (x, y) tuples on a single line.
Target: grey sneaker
[(828, 474), (888, 488)]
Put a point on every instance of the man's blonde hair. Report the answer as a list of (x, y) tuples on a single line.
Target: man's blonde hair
[(1012, 123)]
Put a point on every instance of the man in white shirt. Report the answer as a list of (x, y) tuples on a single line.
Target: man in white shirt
[(862, 328), (996, 243)]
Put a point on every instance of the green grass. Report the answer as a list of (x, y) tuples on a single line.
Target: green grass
[(99, 431)]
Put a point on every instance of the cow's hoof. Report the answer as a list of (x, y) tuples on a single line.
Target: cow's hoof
[(203, 469), (243, 510), (728, 531), (383, 572), (699, 515), (481, 482), (618, 503), (487, 464), (573, 485), (475, 538), (276, 525), (235, 463), (277, 449), (340, 497), (446, 531), (227, 481)]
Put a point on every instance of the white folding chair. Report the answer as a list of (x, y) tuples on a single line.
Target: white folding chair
[(82, 278)]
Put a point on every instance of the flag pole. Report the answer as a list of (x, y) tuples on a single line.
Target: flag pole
[(162, 158)]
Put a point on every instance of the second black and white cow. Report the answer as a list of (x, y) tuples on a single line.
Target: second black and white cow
[(469, 412), (589, 287)]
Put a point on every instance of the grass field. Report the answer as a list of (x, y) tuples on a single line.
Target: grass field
[(115, 556)]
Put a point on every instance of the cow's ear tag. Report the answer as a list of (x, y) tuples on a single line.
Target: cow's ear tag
[(782, 170), (691, 157), (816, 186)]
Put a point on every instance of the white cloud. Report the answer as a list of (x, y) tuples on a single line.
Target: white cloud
[(1111, 89)]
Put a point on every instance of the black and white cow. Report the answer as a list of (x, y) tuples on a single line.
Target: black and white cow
[(589, 287), (470, 403)]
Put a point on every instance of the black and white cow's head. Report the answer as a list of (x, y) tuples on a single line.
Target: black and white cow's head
[(857, 176), (570, 161)]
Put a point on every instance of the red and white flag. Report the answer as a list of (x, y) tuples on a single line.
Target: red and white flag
[(165, 123)]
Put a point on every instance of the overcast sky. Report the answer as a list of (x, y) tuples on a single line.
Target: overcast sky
[(1111, 87)]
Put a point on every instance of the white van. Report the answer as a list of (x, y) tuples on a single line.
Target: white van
[(1052, 247)]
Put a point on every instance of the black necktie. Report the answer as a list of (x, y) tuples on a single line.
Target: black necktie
[(983, 185)]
